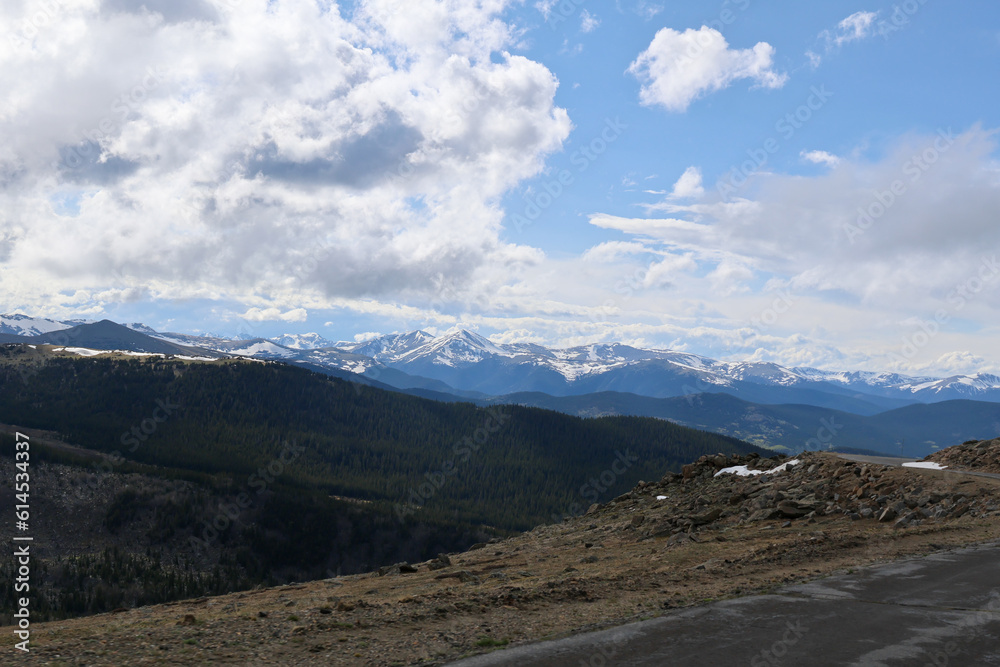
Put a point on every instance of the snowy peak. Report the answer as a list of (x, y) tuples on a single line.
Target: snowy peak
[(142, 328), (456, 349), (389, 346), (309, 341), (257, 347), (764, 373), (23, 325), (961, 384)]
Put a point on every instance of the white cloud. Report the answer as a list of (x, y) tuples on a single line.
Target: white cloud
[(679, 68), (689, 184), (861, 249), (276, 156), (275, 315), (588, 22), (857, 26), (613, 250), (648, 10), (821, 157), (959, 363), (545, 7)]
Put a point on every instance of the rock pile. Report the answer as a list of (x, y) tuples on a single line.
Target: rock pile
[(978, 455), (819, 485)]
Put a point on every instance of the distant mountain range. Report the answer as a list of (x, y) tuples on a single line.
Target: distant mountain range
[(598, 379)]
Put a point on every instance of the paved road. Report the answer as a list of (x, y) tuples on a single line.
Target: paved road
[(894, 461), (942, 610), (880, 460)]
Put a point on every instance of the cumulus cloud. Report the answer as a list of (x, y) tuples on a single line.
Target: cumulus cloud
[(689, 184), (588, 22), (282, 152), (858, 249), (680, 67), (960, 363)]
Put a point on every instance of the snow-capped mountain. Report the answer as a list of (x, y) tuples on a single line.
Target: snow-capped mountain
[(387, 347), (466, 363), (956, 386), (22, 325), (256, 347), (309, 341), (449, 357)]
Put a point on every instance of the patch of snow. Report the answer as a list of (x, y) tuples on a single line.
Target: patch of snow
[(267, 347), (744, 471), (926, 465), (661, 497), (81, 351)]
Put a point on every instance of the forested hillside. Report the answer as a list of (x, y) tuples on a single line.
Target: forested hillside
[(170, 478), (507, 466)]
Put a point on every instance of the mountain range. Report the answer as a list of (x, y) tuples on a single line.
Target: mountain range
[(591, 380)]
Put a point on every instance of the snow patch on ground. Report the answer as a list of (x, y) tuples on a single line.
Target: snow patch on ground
[(744, 471), (81, 351), (926, 465)]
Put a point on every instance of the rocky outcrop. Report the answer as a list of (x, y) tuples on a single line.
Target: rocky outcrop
[(819, 485), (977, 455)]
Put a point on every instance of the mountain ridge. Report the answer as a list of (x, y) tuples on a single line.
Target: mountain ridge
[(467, 365)]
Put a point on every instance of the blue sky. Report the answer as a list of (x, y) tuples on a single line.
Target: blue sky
[(813, 184)]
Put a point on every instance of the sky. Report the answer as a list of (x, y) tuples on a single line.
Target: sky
[(813, 184)]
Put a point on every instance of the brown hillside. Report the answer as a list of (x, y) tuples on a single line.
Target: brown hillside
[(708, 537)]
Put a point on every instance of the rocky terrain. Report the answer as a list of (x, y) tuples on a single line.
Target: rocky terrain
[(977, 455), (683, 540)]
